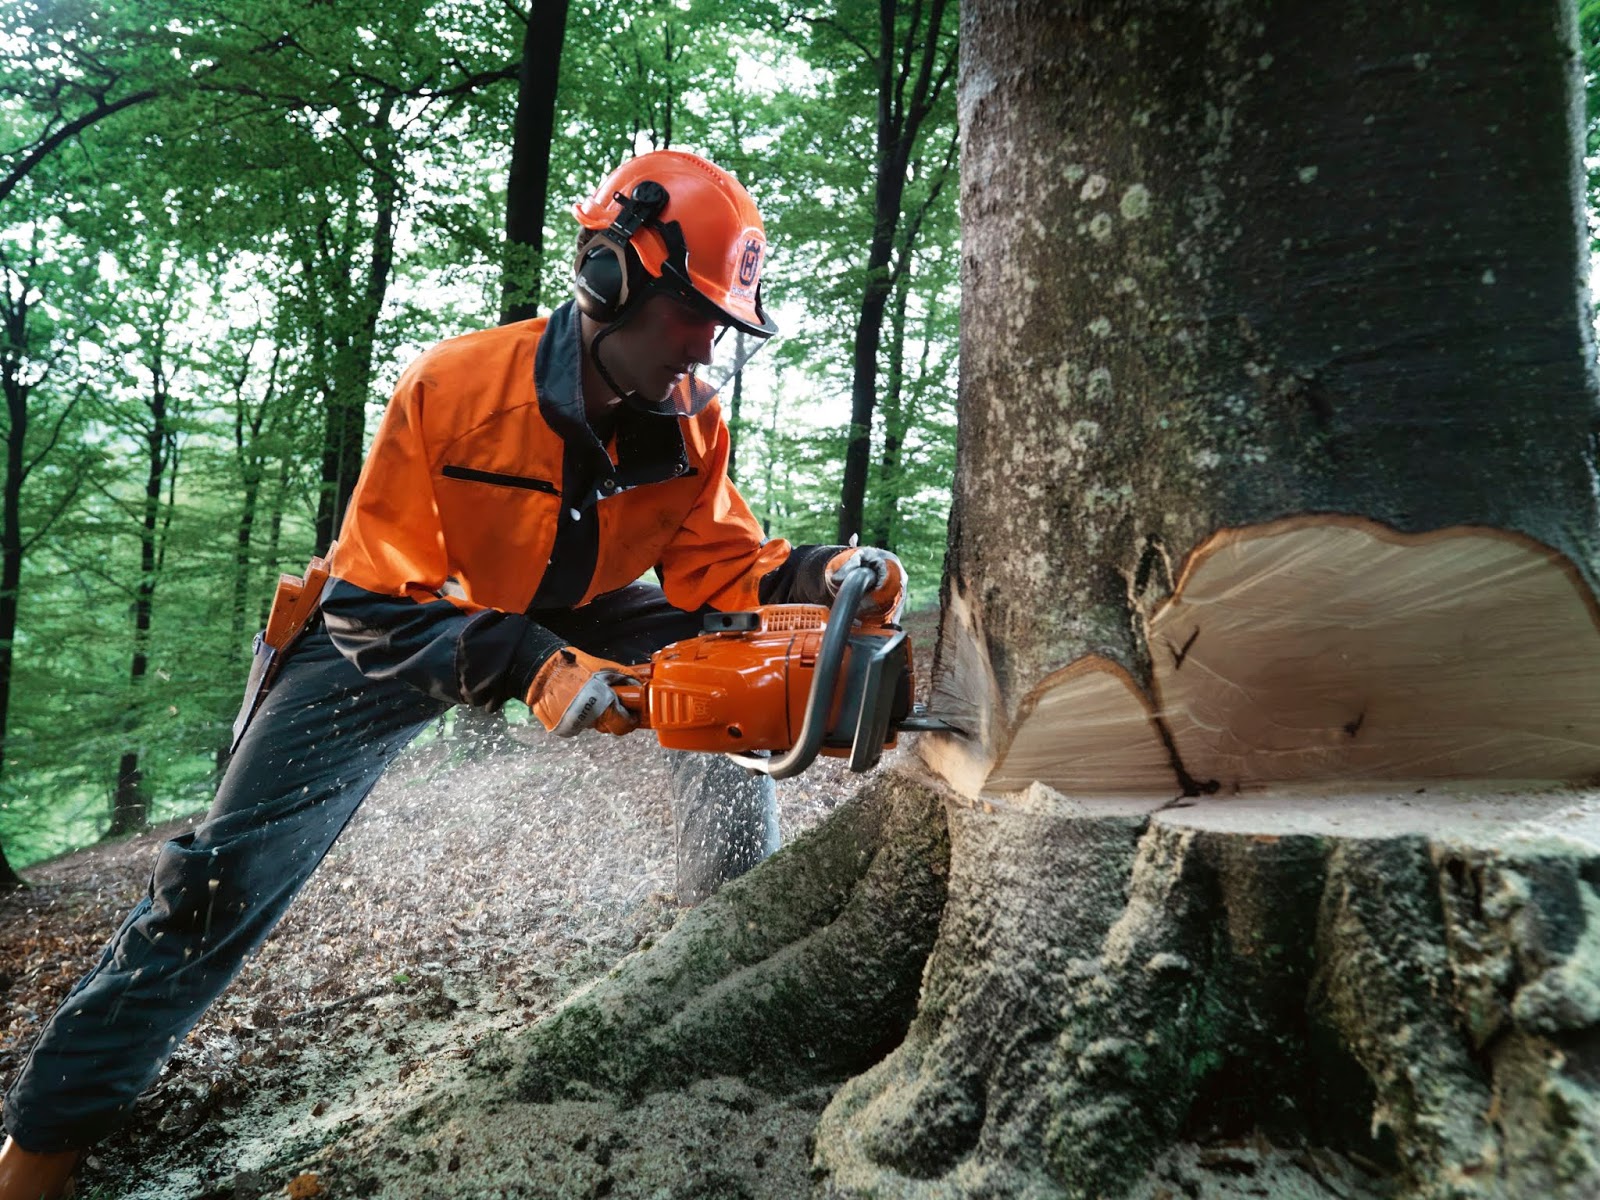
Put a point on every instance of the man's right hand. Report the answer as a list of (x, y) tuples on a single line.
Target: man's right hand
[(573, 692), (888, 578)]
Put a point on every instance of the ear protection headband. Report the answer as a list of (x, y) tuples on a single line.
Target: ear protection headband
[(606, 275)]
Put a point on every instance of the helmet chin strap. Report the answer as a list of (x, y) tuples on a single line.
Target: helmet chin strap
[(633, 400), (594, 356)]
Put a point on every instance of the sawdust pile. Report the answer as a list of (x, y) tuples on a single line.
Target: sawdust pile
[(483, 880)]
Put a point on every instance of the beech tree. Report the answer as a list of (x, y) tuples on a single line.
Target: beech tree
[(912, 62), (1267, 857), (1248, 876), (528, 179)]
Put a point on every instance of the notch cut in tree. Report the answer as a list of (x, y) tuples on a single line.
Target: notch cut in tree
[(1330, 651)]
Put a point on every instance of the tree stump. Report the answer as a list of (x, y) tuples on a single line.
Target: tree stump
[(1291, 993)]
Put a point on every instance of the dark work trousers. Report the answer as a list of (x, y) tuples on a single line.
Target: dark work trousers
[(316, 747)]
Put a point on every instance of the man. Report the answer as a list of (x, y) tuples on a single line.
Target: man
[(522, 480)]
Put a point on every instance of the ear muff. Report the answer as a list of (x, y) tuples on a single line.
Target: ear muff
[(607, 274), (601, 279)]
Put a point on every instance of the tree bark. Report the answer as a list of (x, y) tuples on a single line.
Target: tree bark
[(353, 346), (16, 310), (532, 131), (896, 420), (129, 804), (1282, 265)]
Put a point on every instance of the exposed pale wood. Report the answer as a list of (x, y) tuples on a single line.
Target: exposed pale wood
[(1087, 728), (964, 693), (1334, 649)]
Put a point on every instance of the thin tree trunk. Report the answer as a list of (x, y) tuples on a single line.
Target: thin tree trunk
[(345, 421), (16, 392), (274, 549), (130, 805), (899, 123), (735, 415), (532, 133), (669, 100), (21, 373), (247, 428), (772, 462), (895, 419)]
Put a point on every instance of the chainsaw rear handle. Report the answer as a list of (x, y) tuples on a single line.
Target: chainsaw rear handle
[(632, 696), (814, 726)]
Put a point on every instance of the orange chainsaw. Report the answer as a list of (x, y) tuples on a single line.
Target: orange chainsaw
[(775, 686)]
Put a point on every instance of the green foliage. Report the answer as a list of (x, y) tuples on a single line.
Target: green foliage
[(221, 229), (1589, 50)]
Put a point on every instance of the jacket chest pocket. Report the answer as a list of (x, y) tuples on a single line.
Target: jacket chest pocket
[(499, 529), (473, 475)]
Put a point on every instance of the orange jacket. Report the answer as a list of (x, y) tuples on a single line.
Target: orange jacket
[(482, 455), (464, 483)]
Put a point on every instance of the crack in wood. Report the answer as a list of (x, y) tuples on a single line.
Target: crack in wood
[(1189, 785), (1152, 560), (1181, 653)]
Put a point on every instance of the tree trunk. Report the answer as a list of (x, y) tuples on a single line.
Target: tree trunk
[(1228, 267), (735, 409), (274, 549), (130, 808), (11, 545), (896, 419), (909, 80), (345, 419), (252, 465), (532, 131)]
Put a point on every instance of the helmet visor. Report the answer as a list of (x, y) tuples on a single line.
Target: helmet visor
[(729, 354), (729, 350)]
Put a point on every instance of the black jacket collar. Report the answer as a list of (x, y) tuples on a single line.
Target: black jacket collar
[(650, 447)]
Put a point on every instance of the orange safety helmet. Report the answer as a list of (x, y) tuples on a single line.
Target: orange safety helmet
[(691, 227)]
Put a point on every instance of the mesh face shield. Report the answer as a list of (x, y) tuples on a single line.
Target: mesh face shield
[(731, 350)]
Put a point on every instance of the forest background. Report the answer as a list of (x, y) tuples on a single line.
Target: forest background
[(223, 236)]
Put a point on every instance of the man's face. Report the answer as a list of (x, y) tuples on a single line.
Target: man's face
[(661, 344)]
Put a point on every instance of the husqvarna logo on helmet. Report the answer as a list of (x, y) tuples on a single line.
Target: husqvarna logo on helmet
[(749, 266)]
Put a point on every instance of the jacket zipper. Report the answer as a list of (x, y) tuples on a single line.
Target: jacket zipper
[(516, 481)]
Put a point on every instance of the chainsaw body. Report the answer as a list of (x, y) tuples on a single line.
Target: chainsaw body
[(791, 680)]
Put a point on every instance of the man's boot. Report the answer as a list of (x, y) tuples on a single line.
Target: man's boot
[(25, 1175)]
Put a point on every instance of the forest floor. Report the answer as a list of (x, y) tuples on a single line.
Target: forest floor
[(477, 886)]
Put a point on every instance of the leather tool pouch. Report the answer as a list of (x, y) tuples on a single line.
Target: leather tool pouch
[(295, 603)]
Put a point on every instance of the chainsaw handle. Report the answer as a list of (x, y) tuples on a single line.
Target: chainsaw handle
[(631, 695), (814, 727)]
